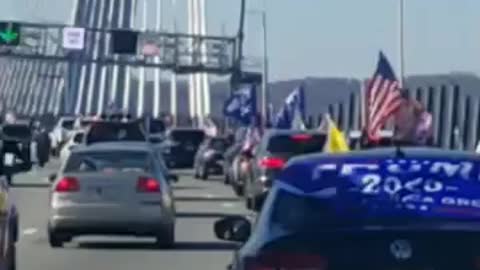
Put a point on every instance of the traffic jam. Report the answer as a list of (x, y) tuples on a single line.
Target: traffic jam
[(314, 198)]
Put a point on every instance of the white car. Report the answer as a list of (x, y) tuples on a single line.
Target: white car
[(61, 132), (75, 139)]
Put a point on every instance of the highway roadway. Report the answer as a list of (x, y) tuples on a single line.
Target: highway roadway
[(198, 203)]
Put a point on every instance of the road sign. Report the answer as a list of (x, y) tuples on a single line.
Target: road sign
[(9, 33), (124, 41), (73, 38)]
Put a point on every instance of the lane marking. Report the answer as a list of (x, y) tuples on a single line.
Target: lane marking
[(228, 205), (209, 196), (30, 231)]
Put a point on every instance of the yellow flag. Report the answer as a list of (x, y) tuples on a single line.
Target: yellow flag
[(336, 142)]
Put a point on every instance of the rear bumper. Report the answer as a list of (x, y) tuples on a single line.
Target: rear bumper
[(76, 226)]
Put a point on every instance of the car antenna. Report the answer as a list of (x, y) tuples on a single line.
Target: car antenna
[(399, 153)]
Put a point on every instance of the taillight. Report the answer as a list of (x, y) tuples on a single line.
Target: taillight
[(301, 137), (272, 163), (275, 261), (147, 185), (67, 184)]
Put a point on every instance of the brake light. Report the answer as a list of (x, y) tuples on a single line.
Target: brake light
[(274, 261), (301, 137), (272, 163), (67, 184), (147, 185)]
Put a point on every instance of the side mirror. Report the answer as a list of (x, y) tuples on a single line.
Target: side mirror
[(52, 177), (233, 228), (173, 178)]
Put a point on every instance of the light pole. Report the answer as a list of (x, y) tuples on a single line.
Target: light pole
[(401, 27), (265, 92)]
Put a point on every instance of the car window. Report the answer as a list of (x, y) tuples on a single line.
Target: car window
[(111, 160), (296, 144), (68, 124), (191, 136), (102, 132)]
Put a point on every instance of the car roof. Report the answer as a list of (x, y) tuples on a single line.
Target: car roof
[(115, 146), (274, 132)]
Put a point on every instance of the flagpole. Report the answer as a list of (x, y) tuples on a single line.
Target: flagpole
[(402, 42)]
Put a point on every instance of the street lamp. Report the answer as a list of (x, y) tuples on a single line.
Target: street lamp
[(265, 92)]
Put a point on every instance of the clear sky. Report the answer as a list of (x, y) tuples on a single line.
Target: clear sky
[(326, 37)]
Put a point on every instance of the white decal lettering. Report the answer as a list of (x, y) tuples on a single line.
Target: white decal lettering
[(448, 201), (466, 170), (476, 203), (317, 172), (413, 185), (463, 202), (433, 186), (348, 169), (447, 167), (371, 184), (392, 185)]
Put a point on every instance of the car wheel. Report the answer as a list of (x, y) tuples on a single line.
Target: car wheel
[(204, 173), (195, 173), (9, 179), (226, 180), (238, 190), (12, 257), (55, 240), (166, 240)]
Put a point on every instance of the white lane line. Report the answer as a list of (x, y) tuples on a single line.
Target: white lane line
[(228, 205), (209, 196), (30, 231)]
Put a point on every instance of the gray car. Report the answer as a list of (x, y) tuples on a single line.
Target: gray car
[(114, 188)]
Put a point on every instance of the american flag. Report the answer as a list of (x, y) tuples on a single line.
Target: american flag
[(383, 97)]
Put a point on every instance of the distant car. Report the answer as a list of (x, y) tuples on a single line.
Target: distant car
[(17, 139), (75, 140), (271, 155), (61, 132), (111, 131), (209, 157), (181, 145), (230, 171), (8, 227), (111, 189), (391, 208)]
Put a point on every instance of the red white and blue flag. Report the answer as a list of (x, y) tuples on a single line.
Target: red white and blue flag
[(382, 97)]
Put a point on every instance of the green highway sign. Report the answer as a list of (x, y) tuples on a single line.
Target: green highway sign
[(9, 33)]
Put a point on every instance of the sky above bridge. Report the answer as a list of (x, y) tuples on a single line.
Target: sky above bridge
[(324, 37)]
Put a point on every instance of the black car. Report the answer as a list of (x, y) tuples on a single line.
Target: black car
[(8, 227), (404, 208), (112, 130), (271, 155), (181, 145), (209, 158)]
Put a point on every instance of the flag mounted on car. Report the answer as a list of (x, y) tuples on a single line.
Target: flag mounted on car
[(242, 105), (292, 111), (382, 98)]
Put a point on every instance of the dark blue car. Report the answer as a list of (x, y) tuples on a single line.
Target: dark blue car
[(391, 208)]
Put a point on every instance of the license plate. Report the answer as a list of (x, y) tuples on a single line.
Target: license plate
[(9, 159), (102, 192)]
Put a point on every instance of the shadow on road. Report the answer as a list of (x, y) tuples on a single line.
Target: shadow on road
[(201, 215), (206, 199), (30, 185), (181, 245), (187, 188)]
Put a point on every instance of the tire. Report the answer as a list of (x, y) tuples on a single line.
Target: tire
[(9, 179), (226, 179), (12, 257), (204, 173), (195, 173), (167, 239), (239, 190), (55, 240)]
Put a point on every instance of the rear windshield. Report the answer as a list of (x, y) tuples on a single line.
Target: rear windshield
[(104, 161), (193, 136), (296, 144), (105, 132), (17, 131), (157, 126), (68, 124)]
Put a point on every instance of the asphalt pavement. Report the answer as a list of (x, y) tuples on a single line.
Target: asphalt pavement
[(199, 204)]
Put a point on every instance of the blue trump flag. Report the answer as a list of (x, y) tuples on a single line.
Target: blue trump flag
[(294, 103), (242, 105)]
